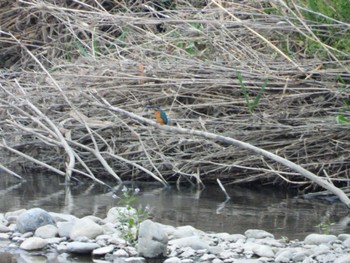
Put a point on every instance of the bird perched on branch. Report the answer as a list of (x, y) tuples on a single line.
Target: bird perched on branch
[(160, 115)]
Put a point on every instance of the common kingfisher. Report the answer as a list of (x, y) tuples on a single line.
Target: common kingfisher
[(160, 115)]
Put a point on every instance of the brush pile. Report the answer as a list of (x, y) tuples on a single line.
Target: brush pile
[(59, 58)]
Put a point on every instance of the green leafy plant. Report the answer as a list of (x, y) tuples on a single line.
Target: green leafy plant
[(128, 216), (340, 118), (324, 227), (251, 105)]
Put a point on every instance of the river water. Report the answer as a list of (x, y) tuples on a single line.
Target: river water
[(271, 209)]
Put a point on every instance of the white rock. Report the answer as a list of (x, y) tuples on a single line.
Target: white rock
[(47, 231), (103, 250), (216, 260), (4, 228), (346, 243), (227, 254), (64, 228), (55, 240), (172, 260), (152, 240), (257, 233), (282, 259), (343, 237), (187, 252), (109, 229), (121, 253), (207, 258), (317, 239), (26, 235), (81, 247), (131, 251), (194, 242), (320, 250), (116, 240), (270, 242), (184, 231), (326, 258), (134, 260), (4, 236), (169, 230), (58, 217), (230, 238), (343, 259), (10, 216), (85, 228), (263, 251), (33, 243)]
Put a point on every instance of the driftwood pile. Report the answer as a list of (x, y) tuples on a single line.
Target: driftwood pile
[(64, 63)]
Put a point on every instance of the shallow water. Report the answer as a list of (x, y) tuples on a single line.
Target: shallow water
[(273, 210)]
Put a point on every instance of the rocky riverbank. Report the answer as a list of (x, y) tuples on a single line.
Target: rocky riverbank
[(57, 236)]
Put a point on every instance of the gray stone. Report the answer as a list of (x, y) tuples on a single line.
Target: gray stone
[(346, 242), (263, 251), (230, 237), (103, 250), (194, 242), (217, 260), (343, 237), (135, 260), (270, 242), (121, 253), (172, 260), (109, 229), (64, 228), (187, 252), (184, 231), (227, 254), (58, 217), (4, 236), (131, 251), (317, 239), (343, 259), (32, 219), (11, 217), (85, 228), (33, 243), (116, 240), (152, 240), (257, 233), (4, 229), (81, 247), (55, 240), (48, 231), (26, 235), (207, 257), (326, 258)]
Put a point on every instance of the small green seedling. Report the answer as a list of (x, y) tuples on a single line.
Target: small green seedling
[(251, 105)]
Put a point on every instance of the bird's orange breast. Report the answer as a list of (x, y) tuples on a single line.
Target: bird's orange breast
[(159, 118)]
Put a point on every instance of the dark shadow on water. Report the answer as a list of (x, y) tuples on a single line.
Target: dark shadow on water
[(273, 210)]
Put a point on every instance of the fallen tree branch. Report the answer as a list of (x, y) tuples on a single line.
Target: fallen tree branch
[(212, 136)]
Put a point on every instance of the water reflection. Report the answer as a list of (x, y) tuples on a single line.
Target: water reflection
[(266, 208)]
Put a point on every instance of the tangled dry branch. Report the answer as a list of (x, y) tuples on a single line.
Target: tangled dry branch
[(61, 59)]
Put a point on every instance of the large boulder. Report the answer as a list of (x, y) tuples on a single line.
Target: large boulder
[(152, 240), (32, 219)]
